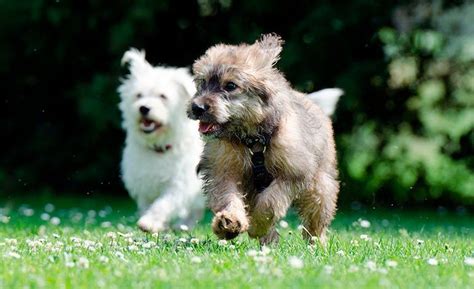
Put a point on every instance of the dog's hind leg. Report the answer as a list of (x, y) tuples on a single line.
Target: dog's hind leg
[(317, 208)]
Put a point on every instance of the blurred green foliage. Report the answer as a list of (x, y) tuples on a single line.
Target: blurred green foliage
[(427, 153), (404, 126)]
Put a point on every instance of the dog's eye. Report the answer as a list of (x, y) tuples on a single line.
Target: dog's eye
[(230, 86), (162, 96), (138, 95)]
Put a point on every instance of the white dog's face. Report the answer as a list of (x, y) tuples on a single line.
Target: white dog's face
[(153, 98)]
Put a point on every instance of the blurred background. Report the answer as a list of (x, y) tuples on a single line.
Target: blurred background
[(404, 128)]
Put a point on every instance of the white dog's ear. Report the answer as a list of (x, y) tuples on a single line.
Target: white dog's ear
[(184, 78), (136, 59), (270, 45), (326, 99)]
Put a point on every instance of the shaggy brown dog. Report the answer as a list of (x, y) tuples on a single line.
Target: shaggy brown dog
[(267, 145)]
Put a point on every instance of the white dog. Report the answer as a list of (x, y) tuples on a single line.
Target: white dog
[(163, 146)]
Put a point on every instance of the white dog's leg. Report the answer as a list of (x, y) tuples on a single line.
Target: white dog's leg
[(157, 217)]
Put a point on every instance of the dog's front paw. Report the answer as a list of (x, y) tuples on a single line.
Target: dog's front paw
[(148, 224), (228, 226)]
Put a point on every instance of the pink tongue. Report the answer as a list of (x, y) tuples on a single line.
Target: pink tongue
[(204, 127)]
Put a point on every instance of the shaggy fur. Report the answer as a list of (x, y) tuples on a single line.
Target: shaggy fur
[(162, 147), (241, 94)]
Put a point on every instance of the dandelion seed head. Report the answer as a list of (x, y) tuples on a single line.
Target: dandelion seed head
[(432, 262)]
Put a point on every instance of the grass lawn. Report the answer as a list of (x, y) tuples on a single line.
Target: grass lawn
[(72, 243)]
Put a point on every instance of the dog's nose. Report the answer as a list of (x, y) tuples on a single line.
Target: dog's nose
[(199, 109), (144, 110)]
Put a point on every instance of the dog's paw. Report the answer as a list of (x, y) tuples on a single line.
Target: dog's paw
[(149, 224), (228, 226)]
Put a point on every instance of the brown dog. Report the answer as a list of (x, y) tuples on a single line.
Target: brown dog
[(267, 145)]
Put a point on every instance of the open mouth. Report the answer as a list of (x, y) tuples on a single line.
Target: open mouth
[(208, 128), (148, 125)]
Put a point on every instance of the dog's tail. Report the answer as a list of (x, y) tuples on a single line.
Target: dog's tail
[(136, 59), (326, 99)]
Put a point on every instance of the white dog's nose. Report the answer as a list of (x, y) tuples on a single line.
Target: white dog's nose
[(144, 110)]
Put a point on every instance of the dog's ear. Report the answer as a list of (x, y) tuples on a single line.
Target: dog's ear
[(136, 60), (184, 78), (270, 46)]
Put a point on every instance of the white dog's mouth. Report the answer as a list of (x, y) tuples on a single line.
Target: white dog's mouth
[(208, 128), (149, 126)]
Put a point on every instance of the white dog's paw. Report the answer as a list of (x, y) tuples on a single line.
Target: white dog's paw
[(149, 224)]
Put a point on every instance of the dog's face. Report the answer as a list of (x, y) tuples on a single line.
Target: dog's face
[(153, 98), (234, 87)]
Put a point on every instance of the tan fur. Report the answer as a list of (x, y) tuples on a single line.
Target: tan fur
[(301, 155)]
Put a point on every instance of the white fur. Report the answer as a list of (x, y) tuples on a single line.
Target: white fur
[(326, 99), (164, 185)]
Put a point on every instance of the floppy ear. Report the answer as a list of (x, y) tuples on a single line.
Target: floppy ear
[(184, 78), (136, 59), (270, 46)]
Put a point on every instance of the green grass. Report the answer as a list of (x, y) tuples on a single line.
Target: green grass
[(80, 252)]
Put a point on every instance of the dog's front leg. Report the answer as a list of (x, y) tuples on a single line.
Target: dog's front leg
[(158, 215), (267, 208), (230, 216)]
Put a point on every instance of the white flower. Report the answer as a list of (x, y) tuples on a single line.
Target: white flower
[(28, 212), (365, 237), (469, 261), (111, 235), (391, 263), (4, 219), (106, 224), (132, 247), (283, 224), (252, 253), (56, 236), (295, 262), (265, 250), (49, 208), (13, 255), (148, 245), (419, 242), (184, 227), (11, 242), (222, 242), (194, 241), (196, 259), (55, 221), (340, 253), (328, 269), (83, 262), (69, 264), (371, 265), (364, 223), (182, 240), (119, 254), (45, 216), (432, 262), (103, 259)]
